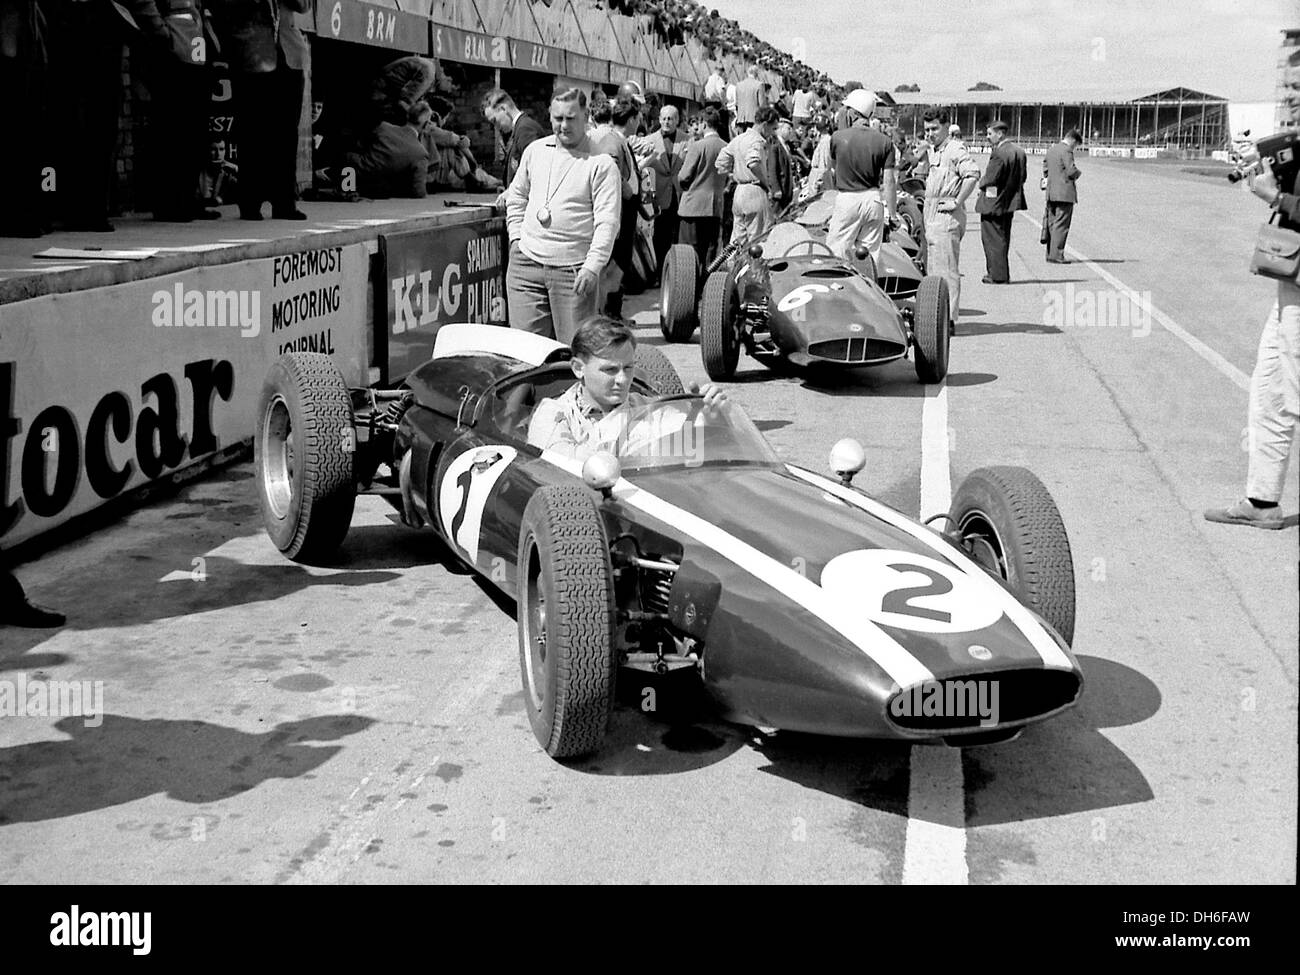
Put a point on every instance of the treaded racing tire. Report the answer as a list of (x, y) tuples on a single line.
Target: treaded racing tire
[(566, 620), (1028, 540), (653, 367), (679, 287), (930, 322), (719, 341), (304, 445)]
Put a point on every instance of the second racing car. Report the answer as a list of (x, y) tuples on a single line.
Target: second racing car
[(786, 296)]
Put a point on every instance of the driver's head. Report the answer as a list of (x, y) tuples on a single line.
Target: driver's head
[(604, 357)]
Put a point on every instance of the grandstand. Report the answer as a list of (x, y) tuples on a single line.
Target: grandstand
[(1179, 118)]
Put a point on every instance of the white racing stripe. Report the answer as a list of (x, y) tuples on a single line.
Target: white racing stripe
[(900, 666), (1168, 324), (1049, 651), (934, 851)]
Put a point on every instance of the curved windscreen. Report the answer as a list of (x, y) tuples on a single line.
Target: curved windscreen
[(679, 432)]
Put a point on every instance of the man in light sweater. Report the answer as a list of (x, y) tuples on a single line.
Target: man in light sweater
[(562, 215)]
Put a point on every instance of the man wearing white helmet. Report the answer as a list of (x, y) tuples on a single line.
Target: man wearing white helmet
[(865, 176)]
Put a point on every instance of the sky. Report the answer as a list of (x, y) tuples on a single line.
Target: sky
[(1227, 48)]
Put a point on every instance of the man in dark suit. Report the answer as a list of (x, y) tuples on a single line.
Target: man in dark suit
[(703, 190), (667, 148), (1060, 172), (1001, 194), (268, 56), (519, 129), (24, 83)]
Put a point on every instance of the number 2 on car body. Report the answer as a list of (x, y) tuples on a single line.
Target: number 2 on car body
[(884, 584)]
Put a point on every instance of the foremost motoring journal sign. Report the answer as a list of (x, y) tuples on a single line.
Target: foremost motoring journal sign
[(106, 390)]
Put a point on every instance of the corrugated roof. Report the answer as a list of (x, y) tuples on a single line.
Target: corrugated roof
[(1076, 96)]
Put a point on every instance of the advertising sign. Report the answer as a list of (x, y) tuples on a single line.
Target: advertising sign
[(107, 389), (448, 274)]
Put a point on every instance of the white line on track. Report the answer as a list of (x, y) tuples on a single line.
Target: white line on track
[(1172, 327), (934, 851)]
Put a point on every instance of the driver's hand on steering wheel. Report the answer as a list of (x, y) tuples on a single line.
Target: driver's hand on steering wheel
[(715, 397)]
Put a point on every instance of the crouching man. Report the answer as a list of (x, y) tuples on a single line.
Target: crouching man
[(592, 414)]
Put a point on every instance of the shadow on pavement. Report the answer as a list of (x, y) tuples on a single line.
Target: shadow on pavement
[(971, 378), (129, 592), (1064, 765), (1007, 328), (1052, 281), (661, 725), (125, 759)]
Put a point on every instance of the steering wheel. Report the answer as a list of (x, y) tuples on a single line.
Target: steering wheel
[(812, 246)]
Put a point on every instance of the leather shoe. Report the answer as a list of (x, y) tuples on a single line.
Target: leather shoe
[(1057, 260), (203, 213), (988, 280), (292, 213), (250, 213)]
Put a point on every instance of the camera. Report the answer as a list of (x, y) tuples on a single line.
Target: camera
[(1281, 150)]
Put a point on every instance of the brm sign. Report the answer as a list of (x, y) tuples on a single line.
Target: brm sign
[(448, 274), (454, 44), (127, 436), (366, 23)]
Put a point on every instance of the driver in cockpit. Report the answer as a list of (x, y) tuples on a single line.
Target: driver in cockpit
[(592, 413)]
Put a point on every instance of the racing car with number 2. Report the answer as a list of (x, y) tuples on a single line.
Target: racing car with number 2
[(799, 601)]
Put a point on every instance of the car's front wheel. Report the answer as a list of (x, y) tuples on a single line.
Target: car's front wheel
[(303, 448), (930, 321), (565, 619), (1011, 526), (719, 329), (679, 286)]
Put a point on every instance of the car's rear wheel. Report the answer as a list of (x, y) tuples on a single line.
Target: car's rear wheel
[(930, 320), (720, 326), (1011, 526), (679, 288), (566, 614), (653, 368), (304, 447)]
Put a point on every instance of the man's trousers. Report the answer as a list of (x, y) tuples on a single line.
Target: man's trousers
[(995, 234)]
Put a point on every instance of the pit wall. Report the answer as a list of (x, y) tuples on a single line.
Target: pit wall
[(115, 389)]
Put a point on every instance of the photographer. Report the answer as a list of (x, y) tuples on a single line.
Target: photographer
[(1275, 384)]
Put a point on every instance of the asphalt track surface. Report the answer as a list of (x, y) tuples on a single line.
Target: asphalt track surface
[(272, 723)]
